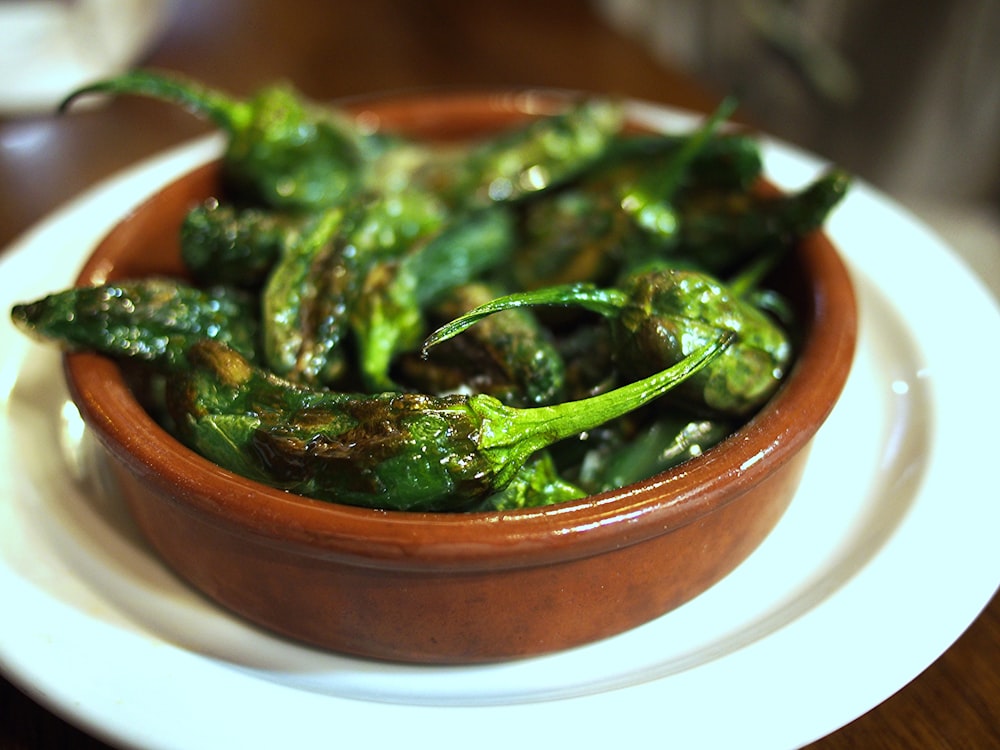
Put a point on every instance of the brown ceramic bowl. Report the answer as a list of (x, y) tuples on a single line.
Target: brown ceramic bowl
[(458, 588)]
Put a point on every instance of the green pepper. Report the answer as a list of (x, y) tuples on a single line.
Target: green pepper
[(572, 235), (695, 203), (296, 286), (336, 248), (535, 485), (650, 199), (402, 451), (588, 349), (730, 161), (659, 317), (544, 153), (310, 297), (667, 442), (511, 356), (223, 244), (281, 150), (388, 316), (720, 229), (703, 159), (151, 319), (582, 232)]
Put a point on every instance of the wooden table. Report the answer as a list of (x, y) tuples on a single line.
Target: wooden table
[(336, 49)]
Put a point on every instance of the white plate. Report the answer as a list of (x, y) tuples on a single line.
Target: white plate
[(886, 555)]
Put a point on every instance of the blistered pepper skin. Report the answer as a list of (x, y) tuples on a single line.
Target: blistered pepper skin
[(404, 451), (539, 156), (511, 356), (659, 317), (223, 244), (333, 248), (152, 320), (281, 150), (720, 229)]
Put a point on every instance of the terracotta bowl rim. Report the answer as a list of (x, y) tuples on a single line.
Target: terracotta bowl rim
[(487, 540)]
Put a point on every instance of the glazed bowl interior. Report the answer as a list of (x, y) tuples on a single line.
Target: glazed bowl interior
[(447, 546)]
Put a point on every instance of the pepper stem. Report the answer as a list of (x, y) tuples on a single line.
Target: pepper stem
[(650, 200), (605, 302), (226, 112), (509, 436), (668, 182), (749, 277)]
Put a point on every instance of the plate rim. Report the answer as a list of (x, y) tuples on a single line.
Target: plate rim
[(109, 724)]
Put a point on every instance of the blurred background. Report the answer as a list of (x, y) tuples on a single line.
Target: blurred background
[(904, 94)]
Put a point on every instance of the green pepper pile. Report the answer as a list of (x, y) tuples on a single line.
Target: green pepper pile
[(549, 312)]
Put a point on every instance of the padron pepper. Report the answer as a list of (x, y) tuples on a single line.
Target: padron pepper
[(536, 484), (719, 230), (650, 199), (225, 244), (538, 156), (694, 201), (575, 234), (730, 160), (310, 297), (511, 355), (402, 451), (153, 320), (659, 317), (333, 248), (281, 149), (388, 314), (298, 338), (661, 445), (584, 232)]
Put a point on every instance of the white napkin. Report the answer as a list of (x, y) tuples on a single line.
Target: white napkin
[(50, 47)]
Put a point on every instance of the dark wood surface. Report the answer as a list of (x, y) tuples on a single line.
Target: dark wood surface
[(331, 50)]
